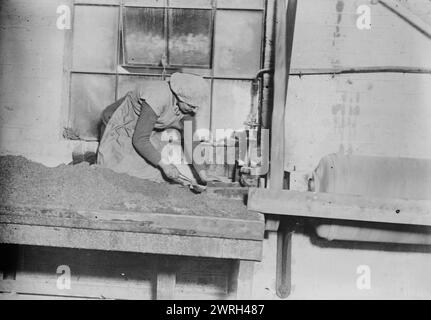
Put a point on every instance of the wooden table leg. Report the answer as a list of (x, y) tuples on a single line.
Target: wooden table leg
[(284, 262), (9, 259), (241, 281), (166, 280)]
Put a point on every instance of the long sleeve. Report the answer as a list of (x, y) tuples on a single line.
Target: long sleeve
[(197, 167), (141, 137)]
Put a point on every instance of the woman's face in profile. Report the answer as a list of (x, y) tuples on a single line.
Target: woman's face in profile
[(186, 108)]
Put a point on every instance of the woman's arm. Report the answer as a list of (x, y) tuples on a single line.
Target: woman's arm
[(142, 143), (200, 169), (143, 131)]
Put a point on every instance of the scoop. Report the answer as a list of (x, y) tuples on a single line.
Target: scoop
[(193, 186)]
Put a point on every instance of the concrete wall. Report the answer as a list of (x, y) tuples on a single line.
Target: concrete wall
[(322, 269), (375, 114), (31, 81)]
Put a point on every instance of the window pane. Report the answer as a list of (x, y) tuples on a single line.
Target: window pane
[(144, 36), (240, 4), (190, 4), (238, 41), (95, 36), (189, 37), (145, 3), (108, 2), (130, 83), (231, 104), (90, 95)]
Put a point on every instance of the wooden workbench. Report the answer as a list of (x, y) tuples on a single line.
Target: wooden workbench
[(236, 239)]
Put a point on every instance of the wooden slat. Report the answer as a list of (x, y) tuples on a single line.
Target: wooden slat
[(131, 242), (337, 206), (49, 288), (286, 14), (38, 297), (175, 224)]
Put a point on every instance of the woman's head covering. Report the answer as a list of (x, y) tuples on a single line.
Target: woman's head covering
[(190, 89)]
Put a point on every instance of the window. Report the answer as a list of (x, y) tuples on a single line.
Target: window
[(117, 44), (173, 37)]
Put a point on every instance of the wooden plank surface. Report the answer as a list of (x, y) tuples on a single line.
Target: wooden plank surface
[(337, 206), (157, 223), (286, 14), (90, 291), (131, 242)]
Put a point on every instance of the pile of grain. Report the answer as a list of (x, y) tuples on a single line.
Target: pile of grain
[(23, 182)]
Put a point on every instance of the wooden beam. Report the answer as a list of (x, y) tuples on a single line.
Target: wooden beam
[(286, 16), (339, 206), (77, 290), (272, 224), (130, 242), (140, 222), (408, 16)]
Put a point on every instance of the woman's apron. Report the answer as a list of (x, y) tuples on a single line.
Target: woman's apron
[(116, 150)]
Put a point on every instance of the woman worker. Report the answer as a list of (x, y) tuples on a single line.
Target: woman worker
[(132, 129)]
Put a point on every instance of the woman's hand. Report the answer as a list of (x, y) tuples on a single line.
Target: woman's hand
[(170, 170), (203, 176)]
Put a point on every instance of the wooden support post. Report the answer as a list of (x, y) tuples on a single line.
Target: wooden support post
[(284, 260), (241, 280), (9, 255), (286, 16), (166, 279)]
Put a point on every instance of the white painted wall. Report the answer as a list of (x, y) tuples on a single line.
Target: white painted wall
[(31, 75), (375, 114)]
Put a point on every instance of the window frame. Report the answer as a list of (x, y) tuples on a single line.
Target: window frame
[(152, 71)]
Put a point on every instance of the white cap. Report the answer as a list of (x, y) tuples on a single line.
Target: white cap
[(191, 89)]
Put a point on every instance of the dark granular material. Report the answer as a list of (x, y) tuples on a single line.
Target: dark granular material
[(84, 187)]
